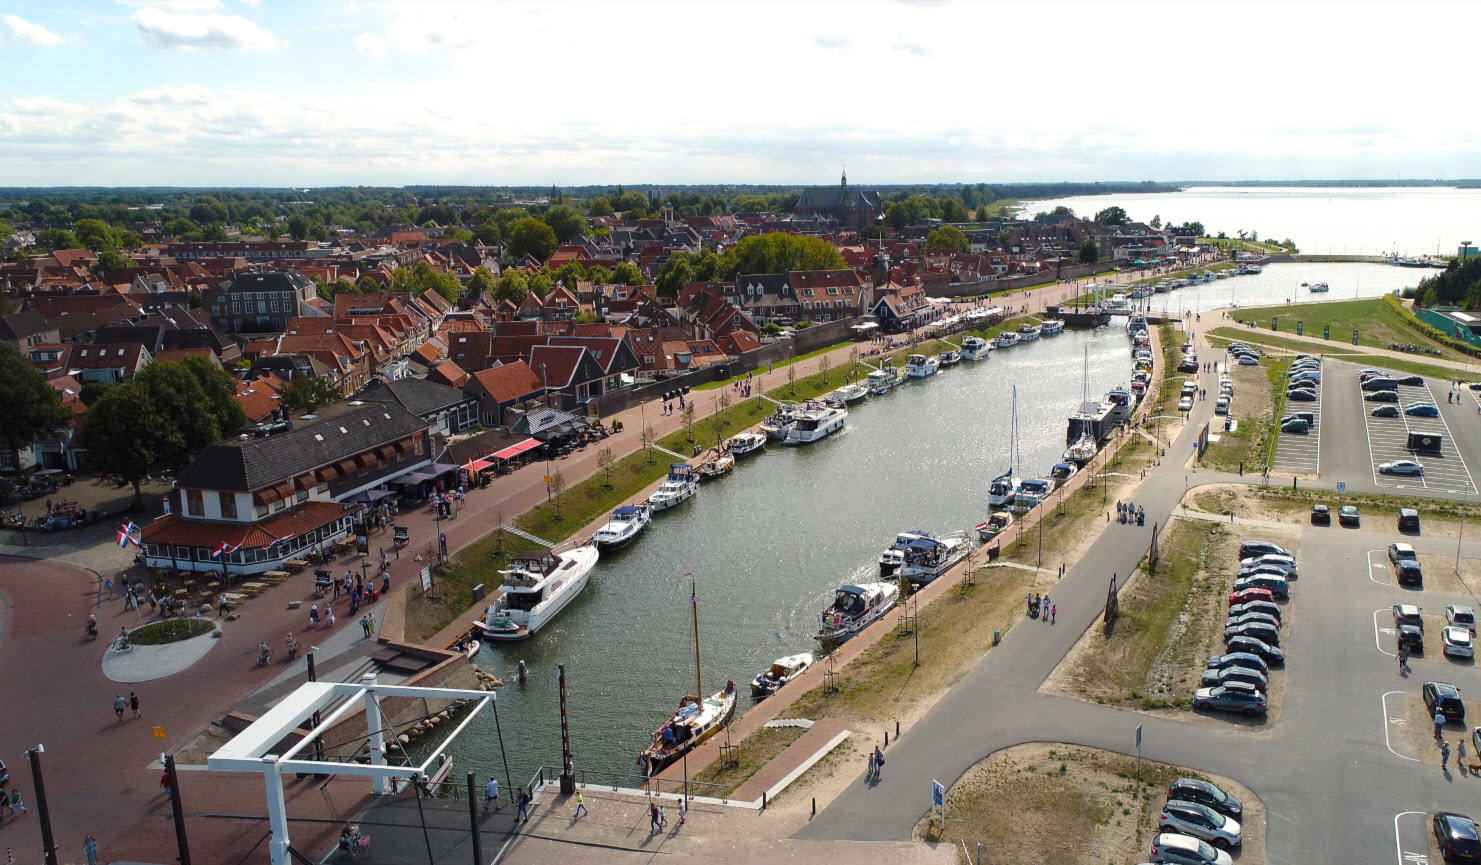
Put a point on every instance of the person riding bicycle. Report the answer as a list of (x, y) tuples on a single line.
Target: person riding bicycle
[(123, 639), (264, 653), (92, 626)]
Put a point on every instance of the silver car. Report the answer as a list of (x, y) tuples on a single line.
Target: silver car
[(1457, 642), (1186, 850), (1401, 467), (1200, 821)]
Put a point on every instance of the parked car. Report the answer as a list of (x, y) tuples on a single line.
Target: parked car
[(1321, 515), (1301, 395), (1268, 608), (1206, 793), (1296, 426), (1409, 573), (1271, 570), (1188, 366), (1385, 410), (1262, 631), (1347, 515), (1240, 697), (1235, 621), (1313, 377), (1185, 404), (1238, 659), (1262, 548), (1398, 552), (1401, 467), (1380, 382), (1250, 593), (1283, 559), (1186, 850), (1408, 614), (1271, 654), (1277, 586), (1458, 837), (1421, 409), (1308, 416), (1248, 675), (1460, 617), (1248, 360), (1457, 642), (1200, 821), (1410, 636), (1412, 381), (1444, 697), (1382, 396), (1408, 520)]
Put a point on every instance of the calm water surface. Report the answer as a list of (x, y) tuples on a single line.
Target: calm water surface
[(769, 544), (1412, 220)]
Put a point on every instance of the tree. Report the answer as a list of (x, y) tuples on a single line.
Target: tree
[(1156, 221), (109, 260), (1112, 216), (541, 284), (792, 378), (481, 281), (53, 239), (687, 415), (512, 286), (1089, 252), (565, 222), (488, 233), (306, 394), (599, 206), (676, 274), (627, 273), (570, 273), (1062, 211), (778, 252), (94, 391), (905, 213), (302, 227), (32, 407), (127, 435), (823, 364), (771, 329), (95, 234), (953, 211), (624, 202), (208, 210), (441, 214), (647, 437), (605, 460), (219, 389), (948, 237), (557, 491), (176, 394), (853, 361), (599, 275), (7, 306), (530, 236)]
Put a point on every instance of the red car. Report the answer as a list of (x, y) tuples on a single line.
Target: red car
[(1244, 596)]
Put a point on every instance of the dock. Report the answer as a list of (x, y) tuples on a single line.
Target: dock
[(1074, 317)]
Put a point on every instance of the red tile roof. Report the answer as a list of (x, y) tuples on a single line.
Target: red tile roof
[(508, 382), (175, 529)]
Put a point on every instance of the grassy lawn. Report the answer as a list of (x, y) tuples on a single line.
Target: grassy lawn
[(1222, 336), (1378, 324), (711, 385), (750, 754), (1049, 802), (1234, 243), (1252, 412), (1280, 502)]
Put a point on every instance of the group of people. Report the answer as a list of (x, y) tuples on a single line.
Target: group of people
[(1127, 514), (1038, 604), (876, 763)]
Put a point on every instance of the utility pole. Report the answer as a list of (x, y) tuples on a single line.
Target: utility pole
[(43, 813)]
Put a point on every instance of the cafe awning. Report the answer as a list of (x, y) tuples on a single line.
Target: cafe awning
[(514, 450)]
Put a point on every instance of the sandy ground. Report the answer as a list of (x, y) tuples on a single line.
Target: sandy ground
[(1076, 805), (1089, 670), (1250, 408), (1411, 729), (205, 743)]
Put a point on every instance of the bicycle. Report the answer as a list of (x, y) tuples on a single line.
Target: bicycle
[(355, 843), (121, 645)]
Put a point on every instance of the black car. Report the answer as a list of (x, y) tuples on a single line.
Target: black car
[(1269, 609), (1457, 836), (1264, 632), (1270, 654), (1446, 698), (1248, 675), (1408, 520), (1308, 416), (1412, 637), (1409, 573), (1348, 515), (1249, 549), (1188, 366), (1321, 515), (1382, 396), (1301, 395), (1238, 659), (1204, 793), (1412, 381)]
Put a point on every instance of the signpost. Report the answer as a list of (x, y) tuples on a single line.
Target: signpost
[(1341, 487), (1326, 331), (1298, 328), (1138, 751), (938, 801), (426, 576)]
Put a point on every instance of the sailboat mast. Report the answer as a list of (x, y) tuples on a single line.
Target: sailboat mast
[(698, 680)]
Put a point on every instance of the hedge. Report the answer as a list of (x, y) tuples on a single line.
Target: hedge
[(1428, 331)]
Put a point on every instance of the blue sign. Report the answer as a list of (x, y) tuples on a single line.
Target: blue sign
[(1327, 331), (1341, 487), (1298, 328), (938, 795)]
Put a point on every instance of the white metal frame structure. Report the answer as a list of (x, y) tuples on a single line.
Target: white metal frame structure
[(248, 751)]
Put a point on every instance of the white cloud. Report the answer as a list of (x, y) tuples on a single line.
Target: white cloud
[(186, 31), (833, 42), (23, 32), (915, 48), (369, 43), (188, 94), (176, 5)]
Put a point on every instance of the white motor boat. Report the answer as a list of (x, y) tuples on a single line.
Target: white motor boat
[(1320, 287), (854, 608), (1062, 472), (779, 424), (847, 395), (1118, 304), (1001, 489), (627, 522), (1164, 286), (781, 671), (920, 366), (1052, 326), (880, 380), (745, 444), (926, 557), (1140, 291), (994, 525), (1031, 493), (975, 348), (679, 487), (949, 358), (694, 724), (1028, 332), (537, 586), (815, 422), (1005, 339)]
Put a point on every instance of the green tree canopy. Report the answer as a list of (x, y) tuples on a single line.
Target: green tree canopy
[(95, 234), (219, 389), (627, 273), (127, 435), (624, 202), (53, 239), (570, 273), (1089, 252), (565, 222), (109, 260), (778, 253), (532, 237), (953, 210), (488, 233), (207, 210), (599, 206), (93, 391), (512, 286), (1112, 216), (303, 393), (676, 273), (1062, 211), (948, 237), (177, 395), (481, 281), (32, 407)]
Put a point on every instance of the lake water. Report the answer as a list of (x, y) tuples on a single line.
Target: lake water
[(768, 545), (1411, 220), (1281, 283)]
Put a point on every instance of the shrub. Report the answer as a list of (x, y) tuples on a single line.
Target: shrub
[(170, 631)]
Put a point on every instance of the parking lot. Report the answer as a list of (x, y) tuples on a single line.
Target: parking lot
[(1388, 440), (1300, 453)]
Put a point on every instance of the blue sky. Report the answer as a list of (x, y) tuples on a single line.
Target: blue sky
[(262, 92)]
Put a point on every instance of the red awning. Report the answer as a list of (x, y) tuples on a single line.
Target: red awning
[(479, 465), (514, 450)]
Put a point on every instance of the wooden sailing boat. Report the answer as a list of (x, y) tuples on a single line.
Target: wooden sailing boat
[(697, 720)]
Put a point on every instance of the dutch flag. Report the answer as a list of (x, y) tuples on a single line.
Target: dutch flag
[(126, 534)]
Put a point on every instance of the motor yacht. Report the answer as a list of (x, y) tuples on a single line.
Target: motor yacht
[(1052, 326), (781, 671), (994, 525), (1028, 332), (1320, 287), (847, 395), (1005, 339), (779, 424), (679, 487), (537, 586), (881, 380), (920, 366), (815, 422), (949, 358), (746, 444), (925, 557), (1031, 493), (627, 522), (975, 348), (854, 608)]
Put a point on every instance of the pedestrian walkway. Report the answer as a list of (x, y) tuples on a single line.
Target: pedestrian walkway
[(509, 527), (820, 739), (147, 663)]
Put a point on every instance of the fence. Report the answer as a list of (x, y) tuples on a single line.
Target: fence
[(634, 781)]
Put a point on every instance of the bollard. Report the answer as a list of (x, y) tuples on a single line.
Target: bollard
[(521, 672), (763, 800), (887, 738), (997, 636), (1293, 482), (815, 806), (897, 731)]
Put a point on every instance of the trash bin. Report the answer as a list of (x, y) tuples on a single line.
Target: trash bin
[(997, 636)]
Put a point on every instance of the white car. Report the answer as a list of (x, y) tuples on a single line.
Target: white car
[(1186, 850), (1200, 821), (1456, 642), (1247, 360), (1185, 404), (1461, 617), (1401, 467), (1286, 562)]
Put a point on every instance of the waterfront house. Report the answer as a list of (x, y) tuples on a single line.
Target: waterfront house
[(447, 411)]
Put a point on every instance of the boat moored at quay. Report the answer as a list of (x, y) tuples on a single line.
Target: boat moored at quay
[(920, 366), (537, 586), (854, 608), (815, 422), (627, 523), (679, 487), (975, 348)]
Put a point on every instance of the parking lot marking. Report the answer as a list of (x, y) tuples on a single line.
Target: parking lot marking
[(1409, 858), (1371, 566), (1368, 437), (1377, 640), (1388, 441), (1295, 452), (1470, 483), (1389, 720)]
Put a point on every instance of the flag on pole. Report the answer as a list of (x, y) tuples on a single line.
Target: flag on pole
[(220, 549), (126, 534), (283, 540), (61, 447)]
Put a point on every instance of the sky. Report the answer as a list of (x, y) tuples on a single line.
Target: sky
[(573, 92)]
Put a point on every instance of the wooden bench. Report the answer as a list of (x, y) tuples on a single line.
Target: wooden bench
[(293, 566), (274, 576), (253, 587)]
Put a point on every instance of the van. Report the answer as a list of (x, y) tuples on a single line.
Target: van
[(1221, 406), (1408, 520), (1190, 388), (1381, 383)]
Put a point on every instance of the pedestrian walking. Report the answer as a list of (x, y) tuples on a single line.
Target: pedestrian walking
[(221, 608), (119, 704), (16, 805), (164, 782), (1444, 756), (652, 818), (328, 615), (152, 602), (869, 771), (663, 817), (1053, 611), (134, 705), (523, 800), (1439, 724), (491, 793), (313, 615), (1403, 658), (371, 617), (878, 761), (108, 587), (365, 624), (580, 806)]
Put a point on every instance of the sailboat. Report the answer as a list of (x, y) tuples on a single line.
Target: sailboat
[(1002, 489), (1083, 449), (697, 720)]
